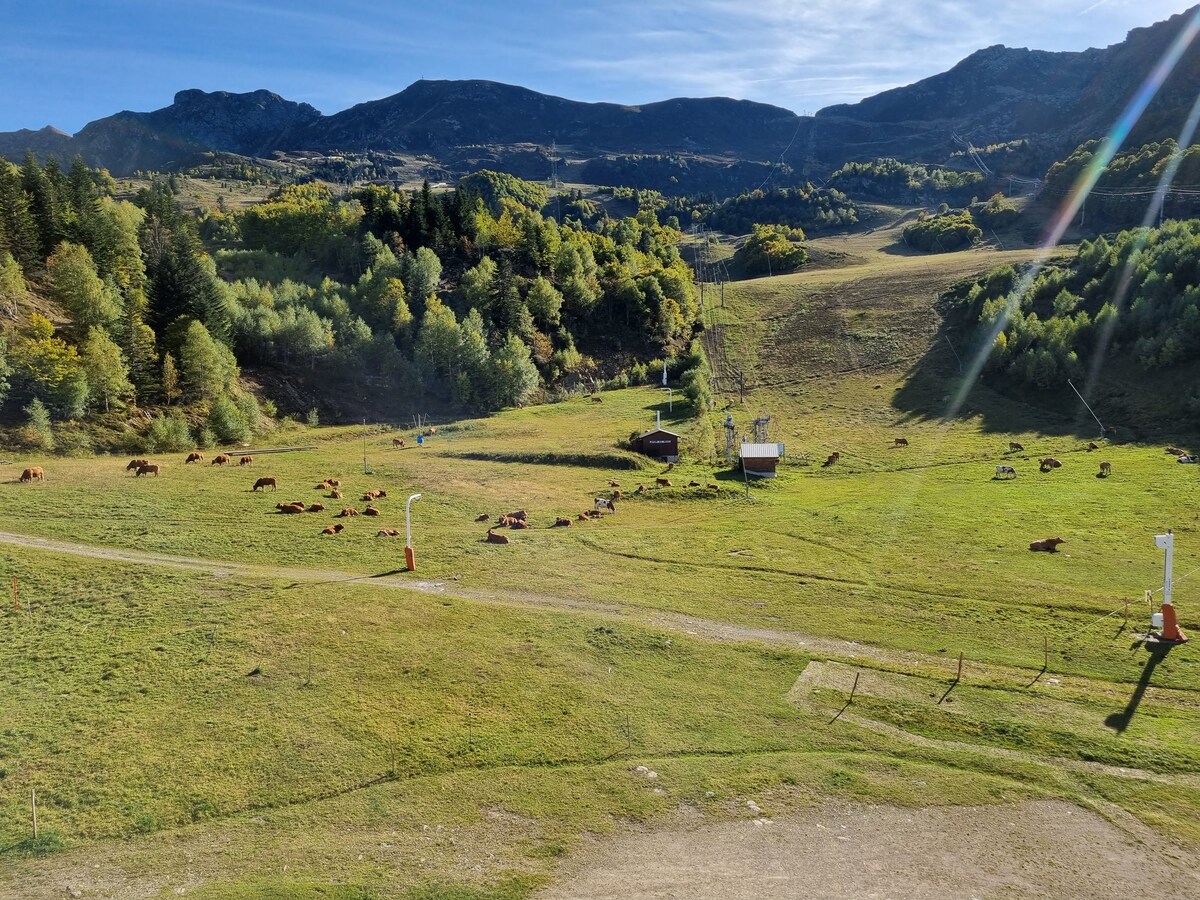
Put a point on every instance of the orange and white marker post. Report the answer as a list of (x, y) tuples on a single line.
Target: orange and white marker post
[(410, 558), (1170, 624)]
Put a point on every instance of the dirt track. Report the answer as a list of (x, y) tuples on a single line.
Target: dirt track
[(1038, 849)]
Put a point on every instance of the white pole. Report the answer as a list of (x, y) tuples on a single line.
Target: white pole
[(1166, 542), (408, 521), (664, 373), (670, 400)]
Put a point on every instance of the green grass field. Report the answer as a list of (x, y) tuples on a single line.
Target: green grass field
[(455, 731)]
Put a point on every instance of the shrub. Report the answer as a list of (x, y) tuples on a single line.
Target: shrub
[(168, 434), (312, 419), (227, 423), (38, 432)]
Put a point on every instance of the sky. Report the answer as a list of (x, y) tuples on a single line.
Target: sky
[(67, 63)]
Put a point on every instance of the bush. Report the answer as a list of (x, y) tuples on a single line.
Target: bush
[(38, 432), (227, 423), (943, 233), (205, 438), (168, 434), (312, 419)]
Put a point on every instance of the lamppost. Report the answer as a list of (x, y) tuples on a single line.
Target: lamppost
[(409, 557), (670, 400)]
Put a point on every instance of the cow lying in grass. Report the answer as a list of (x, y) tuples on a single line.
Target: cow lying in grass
[(1049, 545)]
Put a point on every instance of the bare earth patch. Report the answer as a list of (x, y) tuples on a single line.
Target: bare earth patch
[(1037, 849)]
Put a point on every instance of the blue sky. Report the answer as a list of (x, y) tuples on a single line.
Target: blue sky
[(66, 63)]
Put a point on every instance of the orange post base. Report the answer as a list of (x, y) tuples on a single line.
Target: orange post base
[(410, 558), (1170, 629)]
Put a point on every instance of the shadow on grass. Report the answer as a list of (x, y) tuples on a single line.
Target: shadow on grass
[(1158, 652)]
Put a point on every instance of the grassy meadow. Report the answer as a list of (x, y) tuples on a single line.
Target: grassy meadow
[(242, 707)]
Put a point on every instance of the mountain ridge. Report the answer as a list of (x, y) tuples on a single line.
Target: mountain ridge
[(1054, 99)]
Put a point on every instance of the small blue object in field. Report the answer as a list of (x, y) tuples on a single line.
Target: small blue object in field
[(420, 439)]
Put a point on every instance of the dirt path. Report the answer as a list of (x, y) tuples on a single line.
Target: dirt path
[(702, 628), (1045, 849)]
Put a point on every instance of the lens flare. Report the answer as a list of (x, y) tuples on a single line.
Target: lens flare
[(1074, 200)]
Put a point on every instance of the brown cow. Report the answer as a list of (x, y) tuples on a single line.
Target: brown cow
[(136, 464), (1014, 447), (614, 484), (335, 495), (347, 512), (33, 473), (220, 459), (316, 507), (323, 486), (370, 495), (714, 487), (519, 514), (269, 480), (561, 522), (1175, 451), (398, 443), (333, 482), (148, 469), (245, 460), (493, 538), (1050, 545), (597, 399), (831, 459), (194, 456), (663, 482), (670, 466), (900, 442), (370, 511), (641, 489), (388, 532), (583, 517), (518, 523), (694, 484), (1105, 469), (293, 508), (334, 529), (1050, 463), (1092, 445), (616, 495), (482, 517)]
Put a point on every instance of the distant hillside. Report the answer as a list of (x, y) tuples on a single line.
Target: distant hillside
[(1052, 100)]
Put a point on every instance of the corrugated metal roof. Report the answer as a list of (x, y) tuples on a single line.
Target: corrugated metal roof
[(761, 451), (657, 431)]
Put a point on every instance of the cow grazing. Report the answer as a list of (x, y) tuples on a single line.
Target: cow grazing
[(561, 522), (148, 469), (1105, 469), (370, 511), (346, 513), (613, 484), (265, 482), (1005, 472), (616, 495), (33, 473), (831, 459), (1050, 545), (335, 495), (220, 459), (334, 529), (482, 517), (136, 464), (398, 443), (245, 460), (663, 482), (641, 489), (694, 484), (1014, 447), (1050, 463), (900, 442), (1175, 451), (194, 456), (316, 507), (493, 538)]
